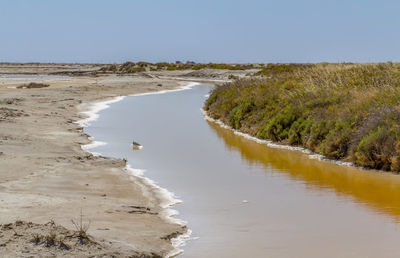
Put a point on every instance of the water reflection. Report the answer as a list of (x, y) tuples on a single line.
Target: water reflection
[(377, 190)]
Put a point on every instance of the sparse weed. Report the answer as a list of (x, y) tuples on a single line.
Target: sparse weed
[(81, 229)]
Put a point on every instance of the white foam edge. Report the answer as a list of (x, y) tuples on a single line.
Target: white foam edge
[(184, 86), (93, 144), (92, 110), (311, 155), (167, 199)]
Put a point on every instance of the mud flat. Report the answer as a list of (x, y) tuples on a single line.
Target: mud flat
[(47, 176)]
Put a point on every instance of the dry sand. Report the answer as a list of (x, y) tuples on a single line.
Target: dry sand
[(45, 174)]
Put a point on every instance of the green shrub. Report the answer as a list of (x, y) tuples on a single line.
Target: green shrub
[(277, 128), (236, 116), (238, 113), (336, 143), (210, 101), (396, 159), (377, 149), (298, 131), (317, 134)]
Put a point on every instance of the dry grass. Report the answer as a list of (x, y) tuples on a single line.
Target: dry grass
[(33, 85), (81, 229)]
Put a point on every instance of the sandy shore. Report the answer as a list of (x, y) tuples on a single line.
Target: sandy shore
[(47, 176)]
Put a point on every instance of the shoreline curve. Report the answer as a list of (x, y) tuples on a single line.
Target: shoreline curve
[(166, 199), (271, 144)]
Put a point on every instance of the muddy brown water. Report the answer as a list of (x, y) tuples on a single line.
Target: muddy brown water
[(245, 199)]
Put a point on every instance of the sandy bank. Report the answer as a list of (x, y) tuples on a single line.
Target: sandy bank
[(46, 175)]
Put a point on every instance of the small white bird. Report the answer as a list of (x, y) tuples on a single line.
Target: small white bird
[(136, 146)]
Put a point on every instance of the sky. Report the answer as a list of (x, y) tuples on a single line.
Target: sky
[(231, 31)]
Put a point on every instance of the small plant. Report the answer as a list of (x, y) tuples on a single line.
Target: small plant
[(33, 85), (50, 240), (36, 239), (81, 229)]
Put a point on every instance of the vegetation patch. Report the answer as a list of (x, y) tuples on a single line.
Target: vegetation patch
[(33, 85), (347, 112), (131, 67)]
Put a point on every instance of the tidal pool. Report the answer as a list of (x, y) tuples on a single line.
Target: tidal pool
[(245, 199)]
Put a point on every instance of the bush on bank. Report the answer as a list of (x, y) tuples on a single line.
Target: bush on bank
[(346, 112)]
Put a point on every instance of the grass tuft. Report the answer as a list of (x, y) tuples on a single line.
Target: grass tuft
[(81, 229)]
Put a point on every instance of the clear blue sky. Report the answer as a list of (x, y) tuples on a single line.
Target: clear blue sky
[(113, 31)]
